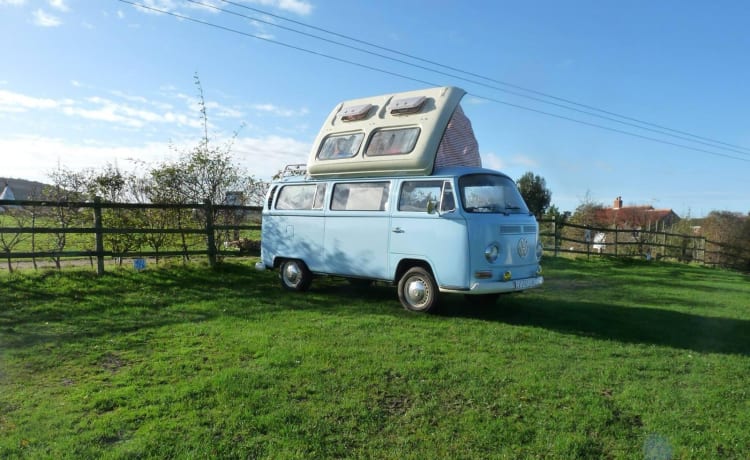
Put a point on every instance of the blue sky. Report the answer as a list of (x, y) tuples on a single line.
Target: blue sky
[(86, 83)]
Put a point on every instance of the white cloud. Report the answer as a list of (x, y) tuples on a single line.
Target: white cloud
[(494, 161), (222, 111), (264, 157), (133, 115), (101, 109), (279, 111), (295, 6), (299, 7), (59, 5), (47, 153), (15, 102), (164, 5), (34, 157), (120, 14), (44, 19)]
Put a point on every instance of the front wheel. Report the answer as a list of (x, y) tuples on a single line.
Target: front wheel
[(295, 276), (417, 290)]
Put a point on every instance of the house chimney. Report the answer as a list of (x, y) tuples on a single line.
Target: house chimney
[(618, 203)]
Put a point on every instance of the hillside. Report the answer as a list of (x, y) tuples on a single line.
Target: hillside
[(22, 189)]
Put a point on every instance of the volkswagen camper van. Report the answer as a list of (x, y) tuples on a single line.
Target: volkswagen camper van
[(394, 191)]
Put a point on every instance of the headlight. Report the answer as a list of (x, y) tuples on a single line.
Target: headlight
[(539, 250), (491, 252)]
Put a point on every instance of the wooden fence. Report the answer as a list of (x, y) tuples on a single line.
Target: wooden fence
[(564, 237), (119, 230), (195, 230)]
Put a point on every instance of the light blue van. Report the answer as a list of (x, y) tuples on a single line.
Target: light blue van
[(376, 202)]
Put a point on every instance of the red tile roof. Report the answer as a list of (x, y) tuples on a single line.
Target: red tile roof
[(634, 216)]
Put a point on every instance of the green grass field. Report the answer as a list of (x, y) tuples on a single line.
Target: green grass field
[(609, 359)]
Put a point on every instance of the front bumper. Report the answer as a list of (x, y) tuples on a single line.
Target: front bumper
[(497, 287)]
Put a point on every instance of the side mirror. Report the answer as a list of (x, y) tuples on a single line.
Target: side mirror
[(431, 207)]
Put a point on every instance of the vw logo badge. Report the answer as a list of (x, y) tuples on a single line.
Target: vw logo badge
[(523, 247)]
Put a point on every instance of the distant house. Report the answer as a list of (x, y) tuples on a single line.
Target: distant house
[(7, 194), (635, 217)]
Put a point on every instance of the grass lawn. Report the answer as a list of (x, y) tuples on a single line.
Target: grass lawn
[(609, 359)]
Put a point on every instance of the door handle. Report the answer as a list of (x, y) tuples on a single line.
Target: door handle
[(398, 230)]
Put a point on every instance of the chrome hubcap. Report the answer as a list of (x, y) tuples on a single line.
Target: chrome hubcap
[(416, 291), (292, 273)]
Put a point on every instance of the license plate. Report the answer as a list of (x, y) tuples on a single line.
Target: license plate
[(524, 284)]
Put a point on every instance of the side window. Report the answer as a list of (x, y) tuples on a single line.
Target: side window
[(296, 197), (271, 196), (392, 142), (448, 201), (416, 194), (320, 195), (340, 146), (360, 196)]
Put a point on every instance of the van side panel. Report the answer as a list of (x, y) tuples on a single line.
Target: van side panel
[(293, 235), (356, 244), (440, 240)]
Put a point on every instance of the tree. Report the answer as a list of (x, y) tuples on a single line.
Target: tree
[(730, 233), (117, 187), (534, 190), (8, 241), (205, 172), (67, 186), (208, 173)]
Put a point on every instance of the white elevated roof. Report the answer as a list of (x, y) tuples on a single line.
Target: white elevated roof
[(390, 134)]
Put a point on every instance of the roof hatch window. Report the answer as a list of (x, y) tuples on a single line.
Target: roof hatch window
[(392, 142), (340, 146)]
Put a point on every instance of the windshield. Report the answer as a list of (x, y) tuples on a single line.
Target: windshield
[(491, 193)]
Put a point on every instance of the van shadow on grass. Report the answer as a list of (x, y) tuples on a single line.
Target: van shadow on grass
[(627, 324), (91, 306), (597, 320)]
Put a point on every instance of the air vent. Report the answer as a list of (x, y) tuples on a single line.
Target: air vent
[(408, 105), (356, 112)]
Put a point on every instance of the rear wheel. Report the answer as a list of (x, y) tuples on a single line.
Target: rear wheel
[(295, 276), (417, 290)]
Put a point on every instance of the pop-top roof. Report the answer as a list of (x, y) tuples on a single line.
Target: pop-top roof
[(389, 134)]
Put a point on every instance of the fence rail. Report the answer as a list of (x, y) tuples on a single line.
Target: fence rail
[(39, 229), (566, 237), (42, 229)]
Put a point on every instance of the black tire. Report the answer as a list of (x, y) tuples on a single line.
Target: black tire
[(295, 276), (417, 290), (482, 300)]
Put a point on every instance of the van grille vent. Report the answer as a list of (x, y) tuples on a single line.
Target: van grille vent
[(510, 229)]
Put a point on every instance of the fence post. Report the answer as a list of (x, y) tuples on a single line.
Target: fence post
[(617, 233), (99, 235), (208, 208), (556, 235)]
